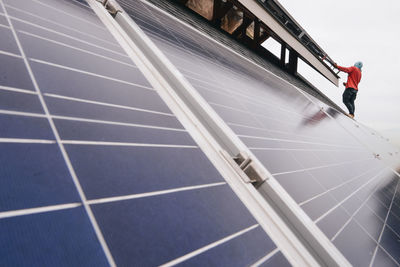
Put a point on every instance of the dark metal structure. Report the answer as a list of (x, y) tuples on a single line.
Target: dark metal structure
[(262, 31)]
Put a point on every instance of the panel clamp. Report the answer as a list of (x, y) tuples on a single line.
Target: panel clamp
[(110, 8), (246, 168)]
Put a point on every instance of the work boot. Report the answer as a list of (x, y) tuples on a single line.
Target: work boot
[(350, 116)]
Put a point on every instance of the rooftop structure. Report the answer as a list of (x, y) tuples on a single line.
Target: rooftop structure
[(133, 134), (253, 22)]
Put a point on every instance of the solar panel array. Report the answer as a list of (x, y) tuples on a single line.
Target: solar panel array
[(333, 167), (95, 167)]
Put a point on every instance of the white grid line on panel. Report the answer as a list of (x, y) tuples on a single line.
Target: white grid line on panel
[(29, 211), (19, 113), (72, 16), (293, 141), (9, 54), (281, 132), (76, 48), (14, 213), (250, 113), (107, 104), (29, 114), (59, 24), (102, 143), (26, 141), (298, 149), (321, 167), (62, 149), (117, 123), (151, 194), (265, 258), (5, 26), (18, 90), (208, 247), (88, 73), (67, 36)]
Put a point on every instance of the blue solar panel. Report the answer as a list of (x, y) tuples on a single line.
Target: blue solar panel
[(59, 238), (93, 136), (79, 85), (314, 154), (25, 127), (3, 20), (34, 175), (138, 162), (20, 102), (7, 42), (157, 226), (14, 73)]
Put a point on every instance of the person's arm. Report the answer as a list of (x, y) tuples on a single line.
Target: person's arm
[(344, 69)]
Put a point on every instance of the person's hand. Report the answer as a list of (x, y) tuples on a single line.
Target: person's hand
[(335, 65)]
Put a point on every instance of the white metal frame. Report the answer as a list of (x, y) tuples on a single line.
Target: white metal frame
[(285, 35)]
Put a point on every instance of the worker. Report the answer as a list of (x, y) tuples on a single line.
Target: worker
[(350, 93)]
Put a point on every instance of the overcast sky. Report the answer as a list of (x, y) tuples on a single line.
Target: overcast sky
[(358, 30)]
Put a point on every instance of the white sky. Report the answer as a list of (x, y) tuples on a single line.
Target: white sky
[(358, 30)]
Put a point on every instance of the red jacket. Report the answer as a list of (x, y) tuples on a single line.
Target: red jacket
[(354, 76)]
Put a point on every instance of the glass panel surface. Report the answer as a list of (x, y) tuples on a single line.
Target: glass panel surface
[(327, 168)]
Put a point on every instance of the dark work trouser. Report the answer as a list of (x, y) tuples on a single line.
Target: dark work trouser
[(349, 96)]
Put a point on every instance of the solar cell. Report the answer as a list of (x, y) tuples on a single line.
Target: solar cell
[(7, 43), (14, 73), (69, 228), (24, 101), (34, 175), (97, 168), (3, 20), (25, 127), (312, 152)]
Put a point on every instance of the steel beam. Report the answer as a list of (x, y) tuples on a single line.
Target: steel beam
[(220, 11), (293, 59), (283, 54), (259, 11), (241, 30)]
